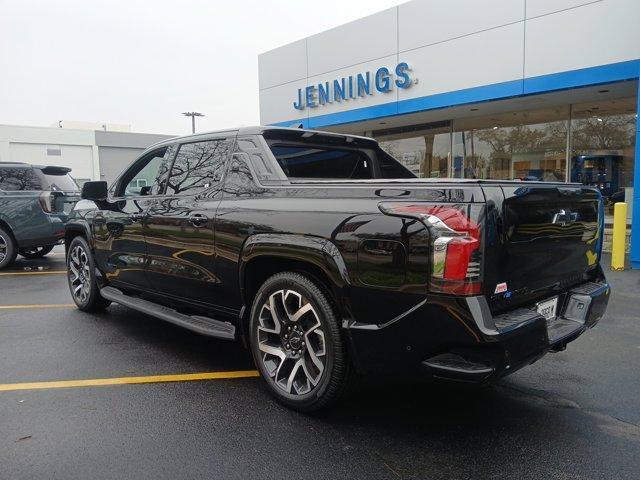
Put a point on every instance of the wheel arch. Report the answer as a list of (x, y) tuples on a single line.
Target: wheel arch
[(264, 255), (5, 226), (75, 229)]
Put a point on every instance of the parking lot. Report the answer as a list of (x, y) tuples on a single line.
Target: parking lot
[(114, 395)]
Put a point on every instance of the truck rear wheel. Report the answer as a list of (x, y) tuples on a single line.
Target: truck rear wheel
[(81, 274), (8, 250), (296, 342)]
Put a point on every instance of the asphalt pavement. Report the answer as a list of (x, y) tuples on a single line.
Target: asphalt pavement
[(571, 415)]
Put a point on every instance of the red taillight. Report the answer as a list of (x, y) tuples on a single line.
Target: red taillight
[(458, 257), (47, 202), (456, 263)]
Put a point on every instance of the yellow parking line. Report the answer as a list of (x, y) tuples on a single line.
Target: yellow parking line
[(44, 272), (185, 377), (45, 305)]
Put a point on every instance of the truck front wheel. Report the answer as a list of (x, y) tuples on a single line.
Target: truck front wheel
[(81, 274), (296, 342)]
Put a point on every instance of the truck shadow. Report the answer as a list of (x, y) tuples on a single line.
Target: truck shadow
[(414, 429), (437, 430)]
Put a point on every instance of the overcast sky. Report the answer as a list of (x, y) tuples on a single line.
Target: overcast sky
[(144, 62)]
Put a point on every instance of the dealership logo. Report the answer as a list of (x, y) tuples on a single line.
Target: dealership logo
[(354, 86)]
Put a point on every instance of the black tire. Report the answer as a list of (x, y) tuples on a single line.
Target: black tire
[(8, 250), (315, 331), (36, 252), (81, 276)]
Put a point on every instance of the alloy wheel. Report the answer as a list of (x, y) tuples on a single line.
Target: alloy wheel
[(292, 342), (3, 248), (79, 274)]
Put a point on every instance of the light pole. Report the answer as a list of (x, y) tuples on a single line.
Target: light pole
[(193, 116)]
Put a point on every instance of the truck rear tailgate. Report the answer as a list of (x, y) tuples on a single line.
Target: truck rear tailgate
[(540, 239)]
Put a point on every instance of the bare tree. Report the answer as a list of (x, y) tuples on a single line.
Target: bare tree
[(605, 133)]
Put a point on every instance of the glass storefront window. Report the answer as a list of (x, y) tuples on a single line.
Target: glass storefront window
[(423, 150), (517, 145), (603, 147), (529, 145)]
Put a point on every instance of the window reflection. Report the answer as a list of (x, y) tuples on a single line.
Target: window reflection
[(516, 145), (603, 138), (198, 166), (424, 151), (528, 145), (146, 173), (16, 178)]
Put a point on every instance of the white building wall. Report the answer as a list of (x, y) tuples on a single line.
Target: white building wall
[(596, 33), (451, 45), (487, 57), (79, 158), (367, 39), (427, 22), (29, 144), (286, 64), (86, 152)]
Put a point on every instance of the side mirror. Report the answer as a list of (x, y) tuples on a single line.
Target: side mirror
[(95, 191)]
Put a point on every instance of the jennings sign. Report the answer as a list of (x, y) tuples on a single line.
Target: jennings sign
[(352, 87)]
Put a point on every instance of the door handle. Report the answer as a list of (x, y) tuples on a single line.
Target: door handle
[(137, 216), (198, 220)]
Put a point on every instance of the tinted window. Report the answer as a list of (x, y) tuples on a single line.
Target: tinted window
[(317, 162), (13, 179), (61, 183), (390, 167), (198, 166), (147, 175)]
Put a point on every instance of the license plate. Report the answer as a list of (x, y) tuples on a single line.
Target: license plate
[(548, 308)]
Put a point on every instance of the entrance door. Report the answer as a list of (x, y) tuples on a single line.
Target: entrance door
[(180, 228)]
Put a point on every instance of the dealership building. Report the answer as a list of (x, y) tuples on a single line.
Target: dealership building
[(487, 89)]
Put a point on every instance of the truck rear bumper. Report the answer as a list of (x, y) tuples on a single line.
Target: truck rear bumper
[(460, 340)]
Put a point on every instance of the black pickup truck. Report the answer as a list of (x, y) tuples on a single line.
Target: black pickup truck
[(328, 258)]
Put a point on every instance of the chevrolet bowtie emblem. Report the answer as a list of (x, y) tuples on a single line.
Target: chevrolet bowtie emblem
[(564, 217)]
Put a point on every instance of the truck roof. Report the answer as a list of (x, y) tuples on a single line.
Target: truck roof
[(259, 130)]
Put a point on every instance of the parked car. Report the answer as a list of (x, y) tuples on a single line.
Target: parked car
[(35, 201), (328, 258)]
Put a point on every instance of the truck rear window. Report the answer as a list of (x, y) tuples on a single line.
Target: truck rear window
[(301, 161)]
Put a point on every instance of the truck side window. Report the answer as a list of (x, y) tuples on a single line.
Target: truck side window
[(198, 166), (146, 176), (18, 179)]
